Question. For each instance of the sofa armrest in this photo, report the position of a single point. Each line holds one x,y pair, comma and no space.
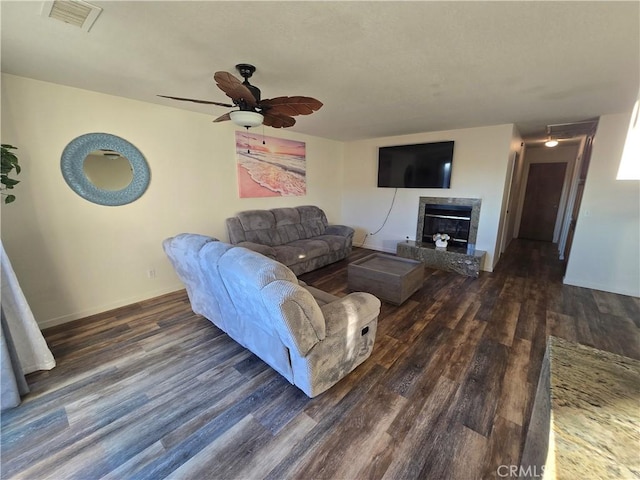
341,230
265,250
353,311
235,230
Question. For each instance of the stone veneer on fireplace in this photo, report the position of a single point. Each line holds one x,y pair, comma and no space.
461,217
453,210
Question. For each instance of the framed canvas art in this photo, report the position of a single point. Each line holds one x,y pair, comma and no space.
273,168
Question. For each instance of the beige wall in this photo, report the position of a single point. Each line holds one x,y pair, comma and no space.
479,170
605,253
75,258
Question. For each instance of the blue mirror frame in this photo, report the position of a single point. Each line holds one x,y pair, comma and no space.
72,162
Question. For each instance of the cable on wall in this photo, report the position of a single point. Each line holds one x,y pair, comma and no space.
393,200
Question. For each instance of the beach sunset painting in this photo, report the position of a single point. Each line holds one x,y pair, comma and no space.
275,168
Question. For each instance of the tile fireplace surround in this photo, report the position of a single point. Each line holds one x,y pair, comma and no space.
474,203
465,261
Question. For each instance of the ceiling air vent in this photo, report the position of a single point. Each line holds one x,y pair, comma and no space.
74,12
572,130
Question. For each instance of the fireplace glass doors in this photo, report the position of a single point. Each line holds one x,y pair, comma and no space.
457,217
454,220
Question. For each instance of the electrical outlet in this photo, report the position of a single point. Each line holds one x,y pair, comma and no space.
151,273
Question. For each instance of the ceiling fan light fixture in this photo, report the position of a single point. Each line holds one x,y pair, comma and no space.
245,118
551,142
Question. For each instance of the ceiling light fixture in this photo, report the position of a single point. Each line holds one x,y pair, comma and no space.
246,118
551,142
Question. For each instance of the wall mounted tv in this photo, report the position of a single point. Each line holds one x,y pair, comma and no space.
424,165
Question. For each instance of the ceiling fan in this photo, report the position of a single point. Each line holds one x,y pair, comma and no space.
275,112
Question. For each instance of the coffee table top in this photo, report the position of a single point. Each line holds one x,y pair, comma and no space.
388,264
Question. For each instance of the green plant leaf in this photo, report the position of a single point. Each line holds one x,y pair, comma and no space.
9,182
9,163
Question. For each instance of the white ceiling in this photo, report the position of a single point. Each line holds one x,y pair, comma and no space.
380,68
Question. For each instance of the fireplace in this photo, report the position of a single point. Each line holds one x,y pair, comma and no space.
454,220
457,217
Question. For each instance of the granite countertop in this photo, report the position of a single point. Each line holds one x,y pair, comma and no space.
595,413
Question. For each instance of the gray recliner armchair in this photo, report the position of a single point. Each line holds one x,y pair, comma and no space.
310,337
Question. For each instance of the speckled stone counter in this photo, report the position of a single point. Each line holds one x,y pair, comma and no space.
451,259
593,408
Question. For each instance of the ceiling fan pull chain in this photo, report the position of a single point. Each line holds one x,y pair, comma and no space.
246,141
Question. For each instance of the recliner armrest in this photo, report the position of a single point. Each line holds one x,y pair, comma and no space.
265,250
341,230
353,311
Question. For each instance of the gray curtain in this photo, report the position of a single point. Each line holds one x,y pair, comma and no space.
13,383
23,348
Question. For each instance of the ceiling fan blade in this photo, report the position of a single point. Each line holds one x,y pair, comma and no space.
278,121
234,88
223,118
206,102
291,106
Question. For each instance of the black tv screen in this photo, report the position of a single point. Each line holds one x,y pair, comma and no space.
424,165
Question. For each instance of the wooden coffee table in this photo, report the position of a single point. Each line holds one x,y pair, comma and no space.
390,278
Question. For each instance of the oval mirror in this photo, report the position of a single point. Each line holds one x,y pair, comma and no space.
105,169
108,170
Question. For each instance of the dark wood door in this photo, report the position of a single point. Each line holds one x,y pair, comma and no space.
541,200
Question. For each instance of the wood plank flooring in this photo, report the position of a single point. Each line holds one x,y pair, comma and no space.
154,391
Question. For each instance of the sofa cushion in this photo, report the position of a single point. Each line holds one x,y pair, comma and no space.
257,284
208,259
259,226
313,220
286,216
257,220
312,248
182,251
334,242
288,254
295,314
322,297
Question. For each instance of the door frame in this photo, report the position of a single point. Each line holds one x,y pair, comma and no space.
577,191
564,197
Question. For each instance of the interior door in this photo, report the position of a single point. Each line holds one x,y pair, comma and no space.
541,200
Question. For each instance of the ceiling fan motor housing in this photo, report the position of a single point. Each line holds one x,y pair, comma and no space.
246,71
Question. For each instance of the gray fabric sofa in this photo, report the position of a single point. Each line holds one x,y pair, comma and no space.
298,237
310,337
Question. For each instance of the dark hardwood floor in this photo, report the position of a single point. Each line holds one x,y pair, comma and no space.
154,391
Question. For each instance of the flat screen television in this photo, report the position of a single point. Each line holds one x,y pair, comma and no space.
424,165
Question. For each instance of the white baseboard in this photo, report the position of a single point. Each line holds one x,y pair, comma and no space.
374,247
52,322
597,286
